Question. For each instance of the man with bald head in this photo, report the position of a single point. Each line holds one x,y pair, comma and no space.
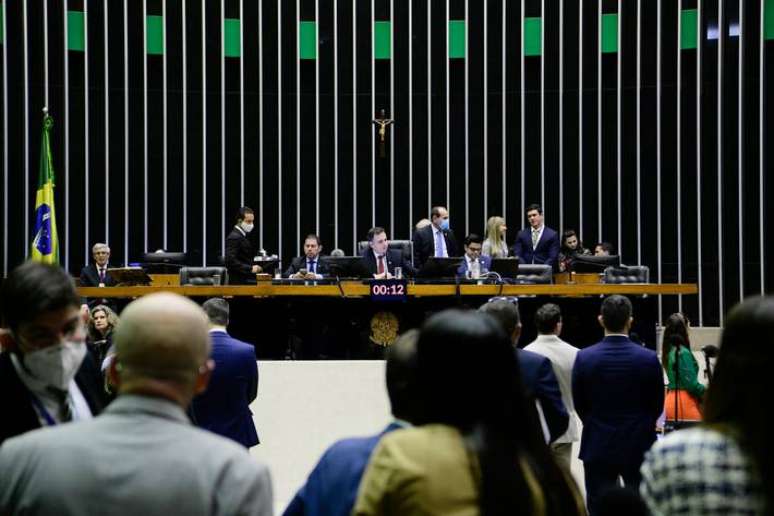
142,455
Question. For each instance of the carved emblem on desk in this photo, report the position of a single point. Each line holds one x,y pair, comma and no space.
384,328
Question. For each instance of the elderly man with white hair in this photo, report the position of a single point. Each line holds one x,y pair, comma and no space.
142,456
96,274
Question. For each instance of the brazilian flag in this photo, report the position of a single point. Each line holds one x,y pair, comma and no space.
45,244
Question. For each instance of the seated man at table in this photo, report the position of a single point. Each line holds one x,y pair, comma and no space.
96,274
309,266
473,260
379,260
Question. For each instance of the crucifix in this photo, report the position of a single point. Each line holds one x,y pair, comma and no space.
382,122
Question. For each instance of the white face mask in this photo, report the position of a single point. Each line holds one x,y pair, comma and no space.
246,227
56,365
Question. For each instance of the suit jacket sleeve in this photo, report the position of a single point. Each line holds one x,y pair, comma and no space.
551,402
581,406
553,250
293,268
232,258
417,245
517,247
85,279
252,376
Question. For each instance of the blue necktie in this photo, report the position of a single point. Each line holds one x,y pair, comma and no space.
438,244
311,267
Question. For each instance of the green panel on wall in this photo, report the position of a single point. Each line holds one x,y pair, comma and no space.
382,40
533,28
768,21
231,47
75,32
456,39
609,33
689,29
2,15
154,34
307,40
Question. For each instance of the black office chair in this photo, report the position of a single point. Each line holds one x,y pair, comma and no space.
535,274
405,246
203,275
163,262
627,274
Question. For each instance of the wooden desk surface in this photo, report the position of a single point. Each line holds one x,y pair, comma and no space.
358,289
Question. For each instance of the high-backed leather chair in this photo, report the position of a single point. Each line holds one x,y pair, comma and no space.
535,273
203,275
405,246
626,274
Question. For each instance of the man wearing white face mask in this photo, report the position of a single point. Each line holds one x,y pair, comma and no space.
239,250
45,377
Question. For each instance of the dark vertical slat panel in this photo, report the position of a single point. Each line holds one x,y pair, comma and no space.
288,163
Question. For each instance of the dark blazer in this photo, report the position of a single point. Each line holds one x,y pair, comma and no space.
224,408
484,261
18,414
300,262
541,383
331,488
424,245
618,390
547,249
239,257
90,277
394,258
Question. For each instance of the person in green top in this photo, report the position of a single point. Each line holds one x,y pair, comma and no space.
676,349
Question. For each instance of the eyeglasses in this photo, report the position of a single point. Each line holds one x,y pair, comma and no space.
510,299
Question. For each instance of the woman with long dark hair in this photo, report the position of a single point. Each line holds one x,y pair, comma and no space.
479,449
725,465
684,392
570,248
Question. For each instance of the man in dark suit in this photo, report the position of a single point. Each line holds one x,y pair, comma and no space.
332,485
473,260
310,263
380,261
240,251
224,408
537,243
437,239
46,376
618,389
536,371
96,274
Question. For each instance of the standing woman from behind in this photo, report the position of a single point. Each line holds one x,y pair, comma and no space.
479,448
102,323
494,246
684,392
726,464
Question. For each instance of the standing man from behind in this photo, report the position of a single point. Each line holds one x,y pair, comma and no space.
436,239
379,260
142,456
618,390
239,250
537,244
548,320
224,408
331,488
308,266
46,377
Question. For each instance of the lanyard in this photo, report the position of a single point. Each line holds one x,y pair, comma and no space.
42,410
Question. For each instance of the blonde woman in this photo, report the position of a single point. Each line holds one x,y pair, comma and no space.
494,245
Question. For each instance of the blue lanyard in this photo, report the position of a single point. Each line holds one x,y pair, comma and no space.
43,412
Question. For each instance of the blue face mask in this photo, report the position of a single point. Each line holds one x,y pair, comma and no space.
445,224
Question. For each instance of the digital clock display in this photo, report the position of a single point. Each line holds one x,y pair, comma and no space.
389,290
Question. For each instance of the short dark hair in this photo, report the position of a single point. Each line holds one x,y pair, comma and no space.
505,312
547,317
401,376
217,310
473,239
606,246
377,230
534,206
244,210
616,311
33,288
436,211
312,236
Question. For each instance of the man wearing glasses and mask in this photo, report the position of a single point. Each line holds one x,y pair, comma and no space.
46,376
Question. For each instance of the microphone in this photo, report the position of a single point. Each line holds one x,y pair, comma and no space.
710,351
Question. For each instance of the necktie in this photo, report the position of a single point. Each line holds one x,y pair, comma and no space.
438,244
311,267
65,401
380,268
101,275
535,234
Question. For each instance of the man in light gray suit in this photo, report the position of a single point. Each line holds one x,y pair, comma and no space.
141,456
